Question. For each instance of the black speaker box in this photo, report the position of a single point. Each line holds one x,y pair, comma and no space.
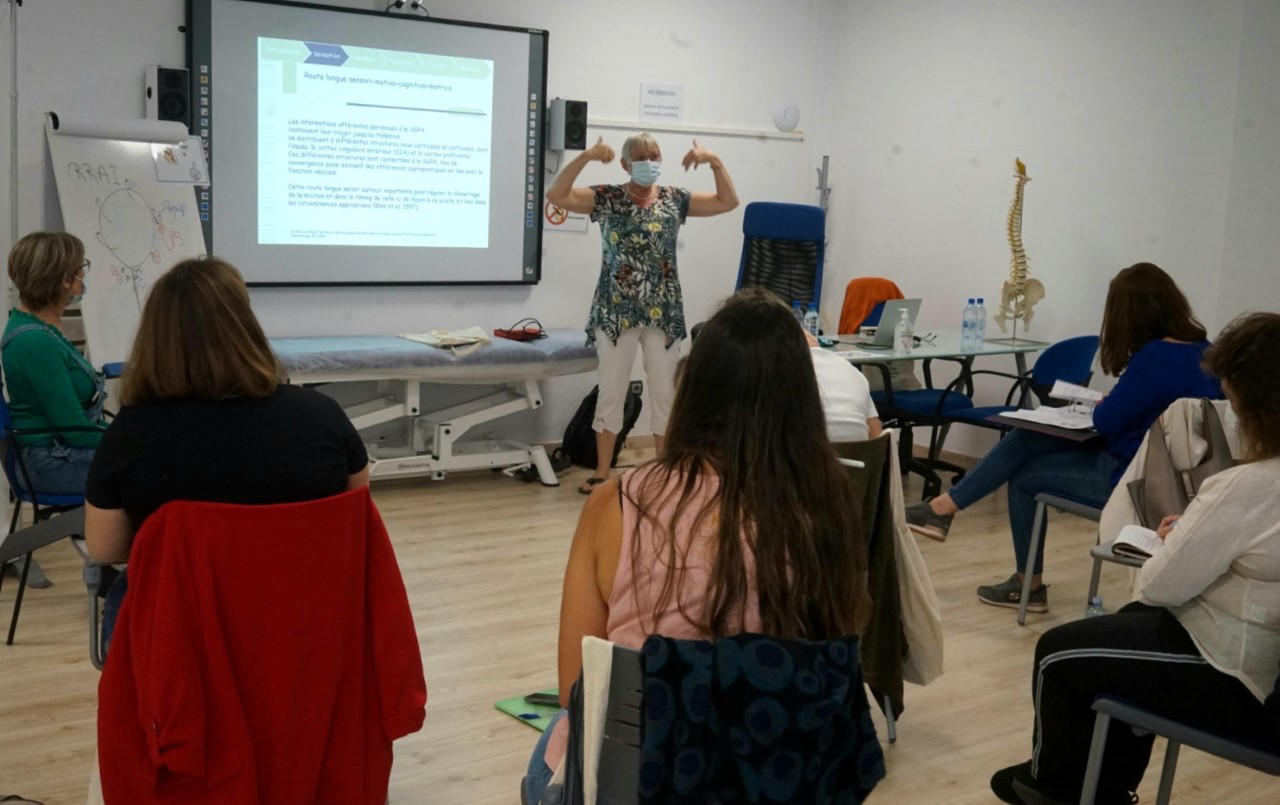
169,94
568,124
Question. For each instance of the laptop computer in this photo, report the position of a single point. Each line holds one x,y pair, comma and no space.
890,315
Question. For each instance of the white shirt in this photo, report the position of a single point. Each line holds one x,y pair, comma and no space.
846,399
1219,573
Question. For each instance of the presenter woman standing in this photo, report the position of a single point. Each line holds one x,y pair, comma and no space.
637,302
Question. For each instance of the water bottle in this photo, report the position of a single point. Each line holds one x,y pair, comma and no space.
797,310
980,325
969,328
903,334
1095,607
811,321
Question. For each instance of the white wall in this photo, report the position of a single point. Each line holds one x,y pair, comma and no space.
1125,114
1149,129
734,60
1250,276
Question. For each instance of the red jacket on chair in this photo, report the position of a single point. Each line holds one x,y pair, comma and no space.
264,654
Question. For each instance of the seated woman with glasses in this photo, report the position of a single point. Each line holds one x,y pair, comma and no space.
49,383
51,387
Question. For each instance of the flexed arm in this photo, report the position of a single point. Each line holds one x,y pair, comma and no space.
725,198
578,199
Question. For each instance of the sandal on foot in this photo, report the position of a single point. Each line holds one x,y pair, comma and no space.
591,483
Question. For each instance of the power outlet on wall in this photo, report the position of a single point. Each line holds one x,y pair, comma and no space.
637,387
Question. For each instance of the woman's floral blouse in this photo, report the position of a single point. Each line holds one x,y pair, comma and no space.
639,285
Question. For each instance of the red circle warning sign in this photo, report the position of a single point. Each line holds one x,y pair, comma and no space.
555,215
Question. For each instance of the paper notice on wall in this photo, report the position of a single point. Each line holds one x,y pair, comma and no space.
181,163
662,103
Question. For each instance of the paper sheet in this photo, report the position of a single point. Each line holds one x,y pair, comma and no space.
1058,417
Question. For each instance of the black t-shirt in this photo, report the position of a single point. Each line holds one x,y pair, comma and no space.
295,445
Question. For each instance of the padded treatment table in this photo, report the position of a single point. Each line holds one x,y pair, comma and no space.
399,366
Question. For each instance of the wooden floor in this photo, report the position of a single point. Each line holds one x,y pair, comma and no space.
482,555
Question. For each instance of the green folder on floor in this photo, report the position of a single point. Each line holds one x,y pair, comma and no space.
537,716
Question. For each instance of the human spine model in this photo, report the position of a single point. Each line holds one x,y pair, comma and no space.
1020,292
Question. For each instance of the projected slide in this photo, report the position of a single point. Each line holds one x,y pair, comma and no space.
366,147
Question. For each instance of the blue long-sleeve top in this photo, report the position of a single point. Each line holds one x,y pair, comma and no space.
1158,373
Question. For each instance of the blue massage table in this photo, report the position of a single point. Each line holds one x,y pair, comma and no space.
400,366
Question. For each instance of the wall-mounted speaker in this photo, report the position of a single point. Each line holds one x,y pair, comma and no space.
168,94
567,122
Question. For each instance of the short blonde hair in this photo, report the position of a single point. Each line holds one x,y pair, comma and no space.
199,340
643,140
40,264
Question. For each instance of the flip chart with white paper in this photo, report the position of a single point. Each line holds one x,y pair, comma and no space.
134,227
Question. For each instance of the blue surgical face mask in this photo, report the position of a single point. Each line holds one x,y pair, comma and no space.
646,171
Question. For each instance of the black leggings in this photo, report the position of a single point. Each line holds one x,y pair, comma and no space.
1144,656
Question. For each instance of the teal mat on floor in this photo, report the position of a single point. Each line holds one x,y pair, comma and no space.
535,715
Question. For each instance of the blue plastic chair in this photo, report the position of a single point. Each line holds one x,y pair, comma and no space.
43,506
783,250
927,407
1070,360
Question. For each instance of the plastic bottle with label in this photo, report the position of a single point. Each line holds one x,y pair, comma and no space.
969,326
810,321
903,333
980,325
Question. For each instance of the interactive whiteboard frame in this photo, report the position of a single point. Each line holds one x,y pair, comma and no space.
203,74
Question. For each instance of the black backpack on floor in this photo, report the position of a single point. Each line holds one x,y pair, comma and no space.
579,445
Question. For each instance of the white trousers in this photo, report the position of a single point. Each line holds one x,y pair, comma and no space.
616,361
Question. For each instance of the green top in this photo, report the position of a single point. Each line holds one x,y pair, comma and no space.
50,385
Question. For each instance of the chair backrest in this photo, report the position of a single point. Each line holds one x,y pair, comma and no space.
6,437
864,299
260,628
615,777
715,712
882,640
618,778
1070,359
1272,706
15,472
1172,477
15,475
783,248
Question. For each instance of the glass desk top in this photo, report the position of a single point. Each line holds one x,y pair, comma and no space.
944,344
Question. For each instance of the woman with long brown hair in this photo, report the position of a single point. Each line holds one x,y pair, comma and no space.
1202,643
745,523
1153,343
206,418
